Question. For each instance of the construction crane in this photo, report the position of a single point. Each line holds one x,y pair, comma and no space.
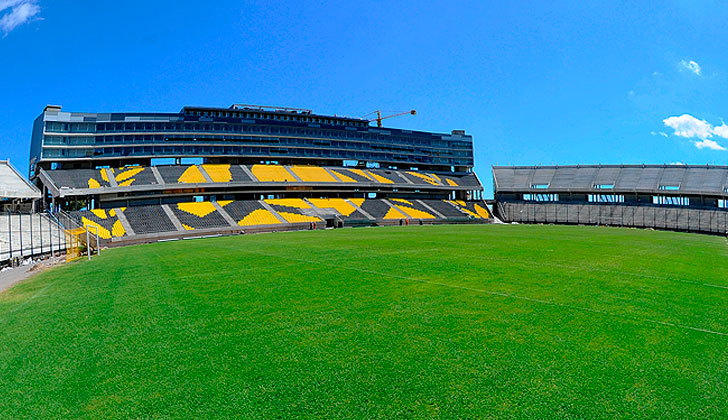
380,118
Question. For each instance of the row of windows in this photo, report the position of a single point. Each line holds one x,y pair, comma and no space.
131,127
611,186
605,198
243,140
541,197
279,117
617,198
177,151
158,138
670,201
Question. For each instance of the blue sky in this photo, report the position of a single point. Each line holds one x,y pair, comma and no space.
559,82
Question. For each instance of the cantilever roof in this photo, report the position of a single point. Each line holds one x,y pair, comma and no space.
663,179
13,185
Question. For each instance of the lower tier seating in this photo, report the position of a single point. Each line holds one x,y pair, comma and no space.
128,222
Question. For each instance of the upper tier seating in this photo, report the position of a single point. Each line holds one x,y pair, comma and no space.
80,178
133,175
226,173
272,173
313,174
172,174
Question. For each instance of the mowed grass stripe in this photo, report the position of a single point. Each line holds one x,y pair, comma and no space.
591,288
211,329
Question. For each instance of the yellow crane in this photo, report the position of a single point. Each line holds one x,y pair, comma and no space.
380,118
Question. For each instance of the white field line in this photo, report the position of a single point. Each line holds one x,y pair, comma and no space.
501,294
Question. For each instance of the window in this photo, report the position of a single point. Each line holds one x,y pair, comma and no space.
669,187
603,186
541,197
539,186
605,198
670,201
723,204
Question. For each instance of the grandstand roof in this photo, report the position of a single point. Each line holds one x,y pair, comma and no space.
13,185
654,179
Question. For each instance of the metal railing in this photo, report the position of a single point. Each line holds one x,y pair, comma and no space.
24,235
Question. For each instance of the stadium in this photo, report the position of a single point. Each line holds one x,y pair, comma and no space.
375,315
544,237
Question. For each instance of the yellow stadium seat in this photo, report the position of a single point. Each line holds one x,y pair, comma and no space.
128,172
380,178
338,204
414,213
100,213
92,183
259,217
393,214
429,178
117,229
482,212
357,201
192,175
313,174
343,177
298,218
218,173
272,173
102,231
201,209
288,202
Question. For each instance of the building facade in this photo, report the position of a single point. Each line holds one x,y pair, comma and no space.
239,134
673,197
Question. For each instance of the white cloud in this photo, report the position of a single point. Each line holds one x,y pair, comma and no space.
721,131
688,126
658,133
677,163
18,13
691,66
692,128
708,144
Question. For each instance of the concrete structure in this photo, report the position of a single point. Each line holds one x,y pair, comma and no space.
674,197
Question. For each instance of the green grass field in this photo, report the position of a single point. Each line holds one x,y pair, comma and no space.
480,321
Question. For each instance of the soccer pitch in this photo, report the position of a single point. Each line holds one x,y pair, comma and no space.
444,322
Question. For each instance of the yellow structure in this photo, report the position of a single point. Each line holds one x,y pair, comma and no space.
192,175
272,173
218,173
201,209
313,174
259,217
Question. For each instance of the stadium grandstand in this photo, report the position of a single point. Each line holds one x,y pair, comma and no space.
670,197
138,177
23,232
